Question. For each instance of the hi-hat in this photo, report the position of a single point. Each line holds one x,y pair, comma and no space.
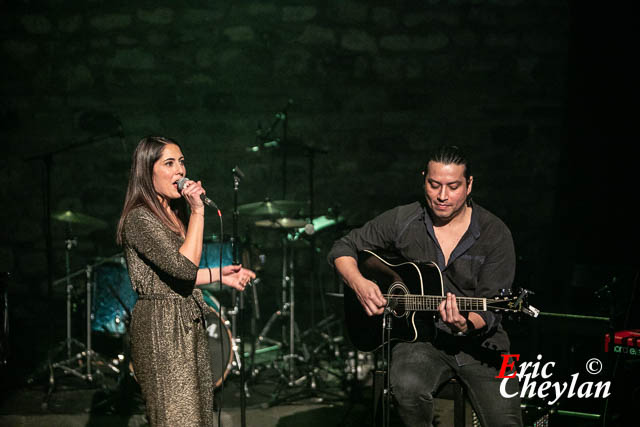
281,223
78,218
272,208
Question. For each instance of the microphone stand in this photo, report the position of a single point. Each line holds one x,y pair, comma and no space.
283,117
386,356
285,122
47,159
311,153
237,176
268,141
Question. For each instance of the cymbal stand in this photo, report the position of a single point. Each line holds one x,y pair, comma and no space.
64,365
323,328
69,244
290,330
90,357
289,277
86,357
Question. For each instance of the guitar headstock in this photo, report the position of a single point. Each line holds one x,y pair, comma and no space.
510,303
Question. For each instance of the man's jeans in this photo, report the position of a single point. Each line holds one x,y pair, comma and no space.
419,369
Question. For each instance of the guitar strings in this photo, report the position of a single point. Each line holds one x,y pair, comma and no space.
431,302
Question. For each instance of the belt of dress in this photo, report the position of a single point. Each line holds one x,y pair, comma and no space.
192,309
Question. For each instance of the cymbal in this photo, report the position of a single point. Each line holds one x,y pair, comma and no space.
281,223
78,218
274,208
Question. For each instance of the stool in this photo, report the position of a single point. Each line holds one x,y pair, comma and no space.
451,390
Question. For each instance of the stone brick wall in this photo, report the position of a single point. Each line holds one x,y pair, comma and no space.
540,93
375,83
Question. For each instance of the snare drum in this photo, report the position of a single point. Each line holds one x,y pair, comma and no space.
113,297
220,348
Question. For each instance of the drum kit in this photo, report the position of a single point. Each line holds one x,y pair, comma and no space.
104,280
280,344
110,299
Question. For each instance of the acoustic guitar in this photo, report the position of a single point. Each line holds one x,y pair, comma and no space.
413,292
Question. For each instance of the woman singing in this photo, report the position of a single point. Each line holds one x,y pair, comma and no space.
161,231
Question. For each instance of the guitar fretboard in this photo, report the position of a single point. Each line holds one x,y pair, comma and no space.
431,302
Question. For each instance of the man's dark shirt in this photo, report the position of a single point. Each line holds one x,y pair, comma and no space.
480,265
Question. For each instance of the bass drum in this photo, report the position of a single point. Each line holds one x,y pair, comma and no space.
220,348
113,297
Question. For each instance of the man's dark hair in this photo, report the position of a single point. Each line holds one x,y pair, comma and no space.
450,154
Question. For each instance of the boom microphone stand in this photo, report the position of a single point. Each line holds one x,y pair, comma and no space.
316,329
47,159
386,355
269,141
311,153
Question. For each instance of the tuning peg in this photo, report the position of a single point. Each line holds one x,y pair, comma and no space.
531,311
506,292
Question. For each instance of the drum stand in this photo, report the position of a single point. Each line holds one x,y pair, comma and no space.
69,244
236,340
238,302
290,330
81,363
311,367
70,365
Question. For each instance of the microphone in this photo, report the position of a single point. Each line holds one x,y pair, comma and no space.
237,172
207,201
273,143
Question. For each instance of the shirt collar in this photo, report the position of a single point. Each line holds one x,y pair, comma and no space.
474,225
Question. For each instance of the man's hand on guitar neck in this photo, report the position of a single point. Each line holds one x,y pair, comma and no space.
450,315
368,292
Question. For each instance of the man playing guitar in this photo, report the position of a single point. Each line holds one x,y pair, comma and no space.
474,251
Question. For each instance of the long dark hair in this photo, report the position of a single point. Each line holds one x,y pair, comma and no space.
141,192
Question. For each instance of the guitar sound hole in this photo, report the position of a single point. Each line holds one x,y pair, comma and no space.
398,291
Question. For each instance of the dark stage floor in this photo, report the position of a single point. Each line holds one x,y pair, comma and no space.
270,402
114,400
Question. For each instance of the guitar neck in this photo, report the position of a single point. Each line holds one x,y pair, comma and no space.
431,302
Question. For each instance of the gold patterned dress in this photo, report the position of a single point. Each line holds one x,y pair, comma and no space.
169,346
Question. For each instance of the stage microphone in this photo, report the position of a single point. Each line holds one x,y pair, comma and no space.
274,143
207,201
237,172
